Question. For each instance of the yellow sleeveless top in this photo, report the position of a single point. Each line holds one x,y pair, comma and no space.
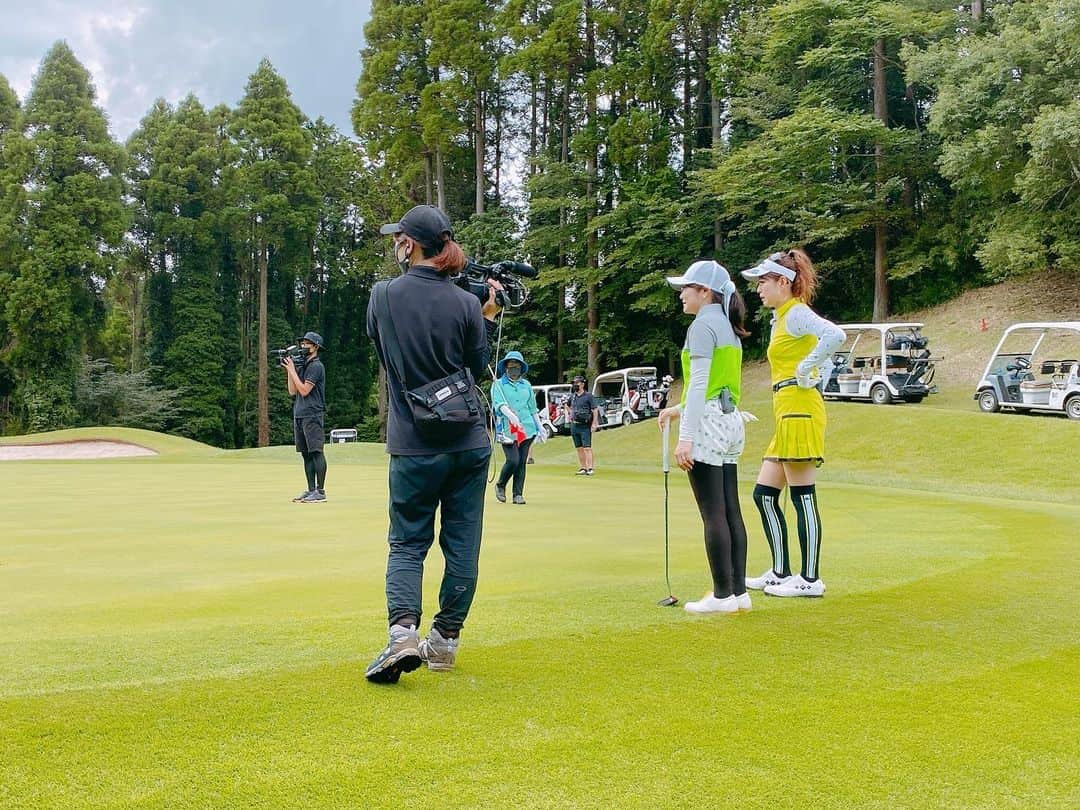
786,351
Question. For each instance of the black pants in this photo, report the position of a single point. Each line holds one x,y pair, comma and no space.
517,459
716,490
454,484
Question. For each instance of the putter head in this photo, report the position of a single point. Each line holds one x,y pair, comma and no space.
668,601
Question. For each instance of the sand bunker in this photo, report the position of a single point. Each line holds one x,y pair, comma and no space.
72,450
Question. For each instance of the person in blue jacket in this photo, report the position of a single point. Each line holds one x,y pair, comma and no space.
517,423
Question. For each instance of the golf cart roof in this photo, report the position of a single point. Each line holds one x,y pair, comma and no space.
632,371
1016,327
550,386
880,327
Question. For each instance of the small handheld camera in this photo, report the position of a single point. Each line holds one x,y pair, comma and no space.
295,352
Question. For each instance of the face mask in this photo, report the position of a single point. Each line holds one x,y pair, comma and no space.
403,262
513,372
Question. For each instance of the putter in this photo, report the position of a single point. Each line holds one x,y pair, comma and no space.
669,600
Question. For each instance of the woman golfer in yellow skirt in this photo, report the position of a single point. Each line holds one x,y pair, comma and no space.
800,360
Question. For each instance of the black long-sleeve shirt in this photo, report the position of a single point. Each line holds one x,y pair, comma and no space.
440,331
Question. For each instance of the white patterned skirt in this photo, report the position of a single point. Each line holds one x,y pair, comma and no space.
720,436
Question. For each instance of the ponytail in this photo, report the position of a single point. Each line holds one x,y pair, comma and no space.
736,310
805,285
449,258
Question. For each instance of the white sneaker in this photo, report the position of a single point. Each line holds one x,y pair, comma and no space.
743,601
710,604
797,586
770,577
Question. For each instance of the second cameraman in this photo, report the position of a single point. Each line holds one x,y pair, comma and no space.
428,330
308,385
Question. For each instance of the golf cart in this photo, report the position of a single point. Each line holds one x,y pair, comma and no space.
630,395
882,363
1015,381
549,403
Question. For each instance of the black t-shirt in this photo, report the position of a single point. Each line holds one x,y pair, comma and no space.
581,408
314,404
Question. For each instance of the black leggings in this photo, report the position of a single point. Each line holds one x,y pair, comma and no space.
315,469
716,490
517,457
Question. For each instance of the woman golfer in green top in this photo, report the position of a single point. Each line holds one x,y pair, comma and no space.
712,433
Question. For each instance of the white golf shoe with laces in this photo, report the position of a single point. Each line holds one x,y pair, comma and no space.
797,586
770,577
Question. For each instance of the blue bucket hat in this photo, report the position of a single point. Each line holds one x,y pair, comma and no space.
501,368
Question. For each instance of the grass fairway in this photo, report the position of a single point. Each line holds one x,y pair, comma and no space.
177,634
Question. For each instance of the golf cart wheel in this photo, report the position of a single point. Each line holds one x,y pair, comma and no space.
627,419
549,431
1072,407
988,402
880,395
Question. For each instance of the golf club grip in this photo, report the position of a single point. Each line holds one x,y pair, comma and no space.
666,434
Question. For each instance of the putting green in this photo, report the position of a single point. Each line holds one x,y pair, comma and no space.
177,633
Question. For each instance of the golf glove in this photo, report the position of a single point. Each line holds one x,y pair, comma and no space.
804,375
541,433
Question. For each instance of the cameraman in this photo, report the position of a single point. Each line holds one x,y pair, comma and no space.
583,416
308,386
440,329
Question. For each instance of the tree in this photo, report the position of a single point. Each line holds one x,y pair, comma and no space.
75,218
277,197
183,183
1007,114
14,157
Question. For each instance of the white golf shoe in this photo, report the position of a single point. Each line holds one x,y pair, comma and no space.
770,577
797,586
710,604
743,601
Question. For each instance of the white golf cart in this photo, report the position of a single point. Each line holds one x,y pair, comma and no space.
549,403
1014,380
882,363
630,395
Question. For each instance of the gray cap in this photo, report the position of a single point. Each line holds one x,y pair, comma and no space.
705,273
313,337
424,223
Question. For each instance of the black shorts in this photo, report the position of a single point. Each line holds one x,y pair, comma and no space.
308,434
582,435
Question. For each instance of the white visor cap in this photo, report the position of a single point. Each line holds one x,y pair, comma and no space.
705,273
766,267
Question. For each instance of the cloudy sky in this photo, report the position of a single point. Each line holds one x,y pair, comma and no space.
138,50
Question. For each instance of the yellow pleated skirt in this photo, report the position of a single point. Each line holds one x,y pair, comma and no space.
800,426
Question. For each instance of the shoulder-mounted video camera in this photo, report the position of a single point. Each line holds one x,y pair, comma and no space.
474,278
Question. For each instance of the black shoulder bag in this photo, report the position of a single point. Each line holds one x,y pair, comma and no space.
444,410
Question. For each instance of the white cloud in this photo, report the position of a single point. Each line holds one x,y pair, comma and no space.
139,50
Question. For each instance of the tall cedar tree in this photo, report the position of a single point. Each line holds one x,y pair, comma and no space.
74,221
277,195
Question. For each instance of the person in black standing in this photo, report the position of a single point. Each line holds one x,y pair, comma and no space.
584,416
425,329
308,385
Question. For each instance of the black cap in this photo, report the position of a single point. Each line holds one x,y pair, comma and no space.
313,337
579,378
424,223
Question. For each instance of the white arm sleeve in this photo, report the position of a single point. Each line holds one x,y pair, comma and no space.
695,397
802,320
508,412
